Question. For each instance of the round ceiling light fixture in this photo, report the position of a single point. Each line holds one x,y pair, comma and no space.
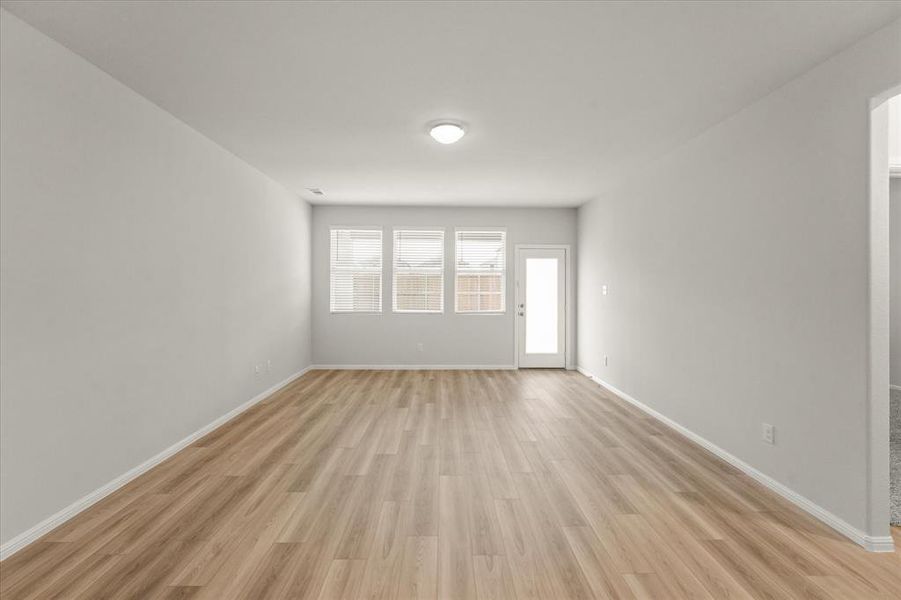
446,132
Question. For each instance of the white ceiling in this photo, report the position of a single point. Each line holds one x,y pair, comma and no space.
559,97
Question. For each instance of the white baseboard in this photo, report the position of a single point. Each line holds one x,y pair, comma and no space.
869,542
414,367
53,521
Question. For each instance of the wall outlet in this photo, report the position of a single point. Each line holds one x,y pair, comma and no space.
269,366
603,290
256,369
419,347
606,362
769,433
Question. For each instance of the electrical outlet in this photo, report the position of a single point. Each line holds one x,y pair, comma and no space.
269,366
603,290
256,369
419,347
769,433
606,362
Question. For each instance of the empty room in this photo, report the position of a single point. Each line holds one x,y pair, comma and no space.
450,300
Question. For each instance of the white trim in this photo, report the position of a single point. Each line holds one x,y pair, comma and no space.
894,170
418,228
414,367
870,543
55,520
478,228
361,227
895,387
878,516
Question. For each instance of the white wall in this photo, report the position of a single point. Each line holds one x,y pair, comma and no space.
895,266
738,274
894,124
144,271
448,338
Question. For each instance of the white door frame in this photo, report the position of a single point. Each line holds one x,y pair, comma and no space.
878,536
569,348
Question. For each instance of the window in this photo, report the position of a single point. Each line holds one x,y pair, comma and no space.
481,263
418,270
356,270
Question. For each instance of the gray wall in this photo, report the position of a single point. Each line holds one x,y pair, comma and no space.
737,269
895,233
448,338
144,272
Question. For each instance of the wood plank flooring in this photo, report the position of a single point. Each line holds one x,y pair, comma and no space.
445,484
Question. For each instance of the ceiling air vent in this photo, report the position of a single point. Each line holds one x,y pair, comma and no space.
316,191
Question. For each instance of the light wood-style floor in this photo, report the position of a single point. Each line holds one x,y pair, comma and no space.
445,484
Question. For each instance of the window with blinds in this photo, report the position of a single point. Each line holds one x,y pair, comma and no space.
418,270
481,271
356,270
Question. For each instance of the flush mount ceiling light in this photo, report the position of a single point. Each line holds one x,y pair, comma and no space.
446,132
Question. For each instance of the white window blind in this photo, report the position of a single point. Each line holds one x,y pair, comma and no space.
418,270
356,270
481,271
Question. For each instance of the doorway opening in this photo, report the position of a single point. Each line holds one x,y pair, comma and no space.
879,469
894,168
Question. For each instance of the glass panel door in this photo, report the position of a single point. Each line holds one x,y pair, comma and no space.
541,307
541,299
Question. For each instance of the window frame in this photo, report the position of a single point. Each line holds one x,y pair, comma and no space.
381,270
502,273
440,271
